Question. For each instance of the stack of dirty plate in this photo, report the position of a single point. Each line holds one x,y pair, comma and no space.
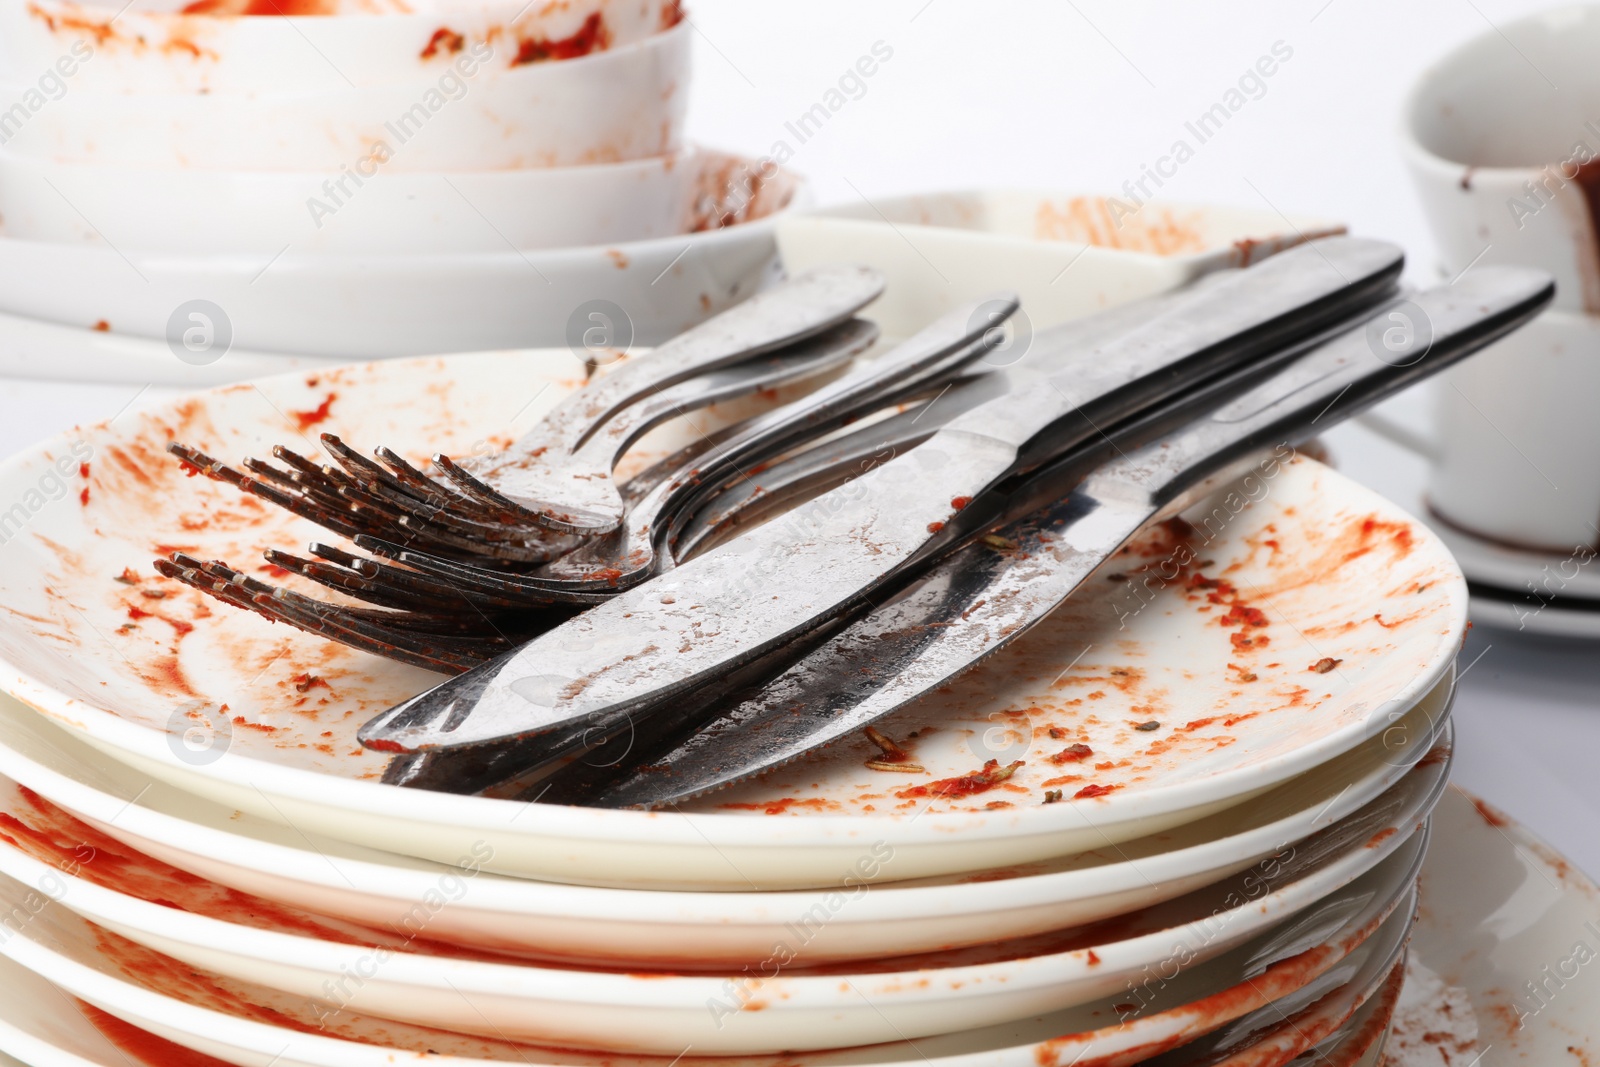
1180,821
360,178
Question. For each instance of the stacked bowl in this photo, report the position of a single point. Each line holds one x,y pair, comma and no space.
1180,821
336,178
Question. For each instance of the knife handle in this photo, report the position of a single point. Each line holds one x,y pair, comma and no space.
1403,344
1256,311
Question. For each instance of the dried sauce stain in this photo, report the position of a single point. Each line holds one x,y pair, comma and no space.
1494,818
304,420
444,41
970,784
141,1046
592,36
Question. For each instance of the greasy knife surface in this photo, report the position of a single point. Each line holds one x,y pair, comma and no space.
980,599
729,606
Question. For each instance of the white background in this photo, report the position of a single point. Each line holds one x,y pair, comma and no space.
1079,96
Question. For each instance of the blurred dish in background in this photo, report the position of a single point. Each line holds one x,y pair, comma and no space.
211,212
1066,255
623,104
381,305
1501,136
206,47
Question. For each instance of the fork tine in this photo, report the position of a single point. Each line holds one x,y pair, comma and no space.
365,470
303,613
468,504
483,491
525,589
443,621
401,582
355,585
528,587
194,459
455,521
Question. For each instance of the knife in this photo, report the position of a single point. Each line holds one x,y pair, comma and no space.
931,633
726,608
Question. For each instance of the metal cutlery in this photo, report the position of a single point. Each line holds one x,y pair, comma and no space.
562,481
760,590
394,500
932,631
446,615
597,570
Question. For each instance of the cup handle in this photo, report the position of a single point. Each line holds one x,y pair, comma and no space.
1399,433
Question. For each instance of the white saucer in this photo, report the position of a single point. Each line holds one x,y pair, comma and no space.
1535,592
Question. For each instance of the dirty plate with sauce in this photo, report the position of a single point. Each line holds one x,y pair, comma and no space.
1460,1004
662,929
771,1007
205,48
1279,952
1286,622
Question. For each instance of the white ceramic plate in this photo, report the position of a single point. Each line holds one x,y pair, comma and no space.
767,1008
147,50
33,348
381,306
1339,1028
225,1017
1065,253
1504,917
1362,609
471,115
204,212
659,929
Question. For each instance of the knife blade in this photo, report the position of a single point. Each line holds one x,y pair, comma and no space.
980,599
730,606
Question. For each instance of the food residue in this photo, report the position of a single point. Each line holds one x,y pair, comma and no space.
317,415
969,784
444,40
893,758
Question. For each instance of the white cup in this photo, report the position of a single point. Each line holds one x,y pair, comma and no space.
1496,150
1515,449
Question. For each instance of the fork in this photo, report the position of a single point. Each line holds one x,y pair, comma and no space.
393,500
601,568
559,476
457,610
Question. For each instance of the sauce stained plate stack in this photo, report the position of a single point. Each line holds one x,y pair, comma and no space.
1195,797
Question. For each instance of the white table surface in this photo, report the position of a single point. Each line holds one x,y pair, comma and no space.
1080,96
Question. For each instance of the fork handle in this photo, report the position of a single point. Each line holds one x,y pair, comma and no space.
951,341
788,312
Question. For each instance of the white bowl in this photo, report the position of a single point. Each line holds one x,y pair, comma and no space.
204,212
145,51
376,306
627,103
1067,255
